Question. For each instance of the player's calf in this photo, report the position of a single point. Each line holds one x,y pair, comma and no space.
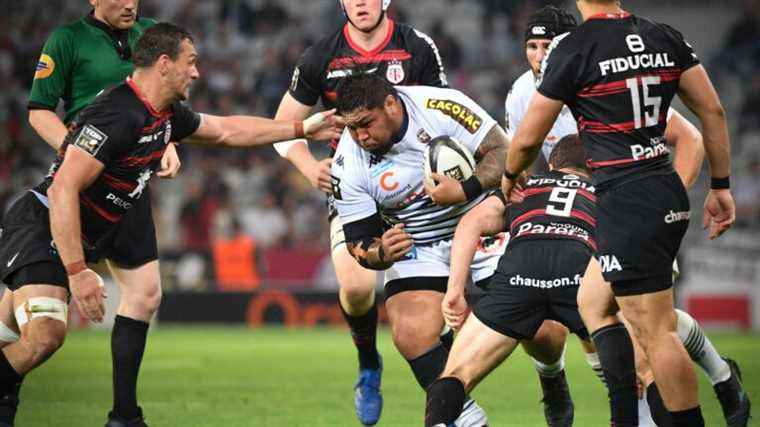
445,400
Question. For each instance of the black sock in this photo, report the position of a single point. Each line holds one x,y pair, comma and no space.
127,347
10,384
616,355
364,333
445,400
447,339
429,366
660,413
688,418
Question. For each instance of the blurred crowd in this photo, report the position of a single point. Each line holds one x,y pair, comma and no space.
248,49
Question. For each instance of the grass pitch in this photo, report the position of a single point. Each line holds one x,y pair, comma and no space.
232,376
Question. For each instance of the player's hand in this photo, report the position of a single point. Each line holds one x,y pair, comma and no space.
512,190
446,191
454,308
170,163
719,212
396,243
319,176
89,292
323,125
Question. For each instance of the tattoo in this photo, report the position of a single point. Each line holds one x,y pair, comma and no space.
490,157
369,253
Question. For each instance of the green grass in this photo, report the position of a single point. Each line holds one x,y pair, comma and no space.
231,376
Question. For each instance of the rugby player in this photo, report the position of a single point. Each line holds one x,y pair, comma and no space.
403,56
551,239
723,374
77,62
104,166
396,224
618,74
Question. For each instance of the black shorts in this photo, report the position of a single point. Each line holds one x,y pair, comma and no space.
134,241
27,253
437,284
640,225
536,280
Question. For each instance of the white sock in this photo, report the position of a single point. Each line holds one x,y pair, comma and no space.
552,369
596,366
700,348
645,414
7,334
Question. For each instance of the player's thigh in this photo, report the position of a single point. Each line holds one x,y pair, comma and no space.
548,343
416,320
596,302
6,310
144,279
41,311
477,350
649,315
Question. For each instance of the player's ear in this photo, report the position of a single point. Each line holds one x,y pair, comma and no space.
391,103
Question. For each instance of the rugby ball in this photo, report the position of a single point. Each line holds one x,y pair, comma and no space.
447,156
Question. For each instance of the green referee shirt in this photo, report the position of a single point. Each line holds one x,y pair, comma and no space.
81,59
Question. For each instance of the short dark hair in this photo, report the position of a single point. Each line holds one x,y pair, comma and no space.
363,90
163,38
569,153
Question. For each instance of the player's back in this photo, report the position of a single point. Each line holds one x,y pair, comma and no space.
557,205
619,74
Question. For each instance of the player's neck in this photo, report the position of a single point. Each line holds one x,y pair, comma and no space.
588,10
371,40
101,18
152,89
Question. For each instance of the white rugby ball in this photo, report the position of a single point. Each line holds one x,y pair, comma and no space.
447,156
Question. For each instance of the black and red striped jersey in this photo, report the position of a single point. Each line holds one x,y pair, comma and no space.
618,73
556,206
405,57
122,131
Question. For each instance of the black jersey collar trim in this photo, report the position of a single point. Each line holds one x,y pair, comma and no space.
619,15
120,38
375,51
398,136
144,100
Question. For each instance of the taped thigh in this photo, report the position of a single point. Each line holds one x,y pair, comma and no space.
36,307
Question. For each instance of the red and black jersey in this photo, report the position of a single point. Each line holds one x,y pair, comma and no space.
122,131
618,73
405,57
556,206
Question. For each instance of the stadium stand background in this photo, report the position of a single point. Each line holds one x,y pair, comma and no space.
248,49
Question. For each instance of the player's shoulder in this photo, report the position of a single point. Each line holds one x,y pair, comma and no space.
422,95
349,156
118,102
69,31
650,26
411,34
523,86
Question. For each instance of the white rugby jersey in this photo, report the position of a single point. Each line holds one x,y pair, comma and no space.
516,105
364,184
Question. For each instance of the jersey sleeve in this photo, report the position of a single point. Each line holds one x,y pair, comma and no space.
561,70
184,121
513,112
460,117
105,133
433,73
305,84
684,52
349,185
53,70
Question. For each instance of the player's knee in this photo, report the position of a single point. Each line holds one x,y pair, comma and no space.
144,299
47,338
412,341
551,334
356,294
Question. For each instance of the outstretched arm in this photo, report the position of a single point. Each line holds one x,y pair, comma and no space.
247,131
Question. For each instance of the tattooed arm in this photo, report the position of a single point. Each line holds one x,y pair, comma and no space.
371,251
490,157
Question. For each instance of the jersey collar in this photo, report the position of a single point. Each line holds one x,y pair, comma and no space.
398,136
144,100
619,15
120,38
375,51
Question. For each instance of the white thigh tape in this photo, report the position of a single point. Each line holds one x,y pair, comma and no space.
42,307
7,334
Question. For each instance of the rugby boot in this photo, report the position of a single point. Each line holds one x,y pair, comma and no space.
115,420
368,400
732,397
472,415
558,405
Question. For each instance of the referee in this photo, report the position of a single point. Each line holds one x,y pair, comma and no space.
78,61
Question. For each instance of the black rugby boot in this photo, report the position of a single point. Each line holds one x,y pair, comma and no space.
732,397
558,404
115,420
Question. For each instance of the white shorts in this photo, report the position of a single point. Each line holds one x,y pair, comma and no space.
434,260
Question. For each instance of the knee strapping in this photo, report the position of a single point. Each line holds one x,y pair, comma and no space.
36,307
